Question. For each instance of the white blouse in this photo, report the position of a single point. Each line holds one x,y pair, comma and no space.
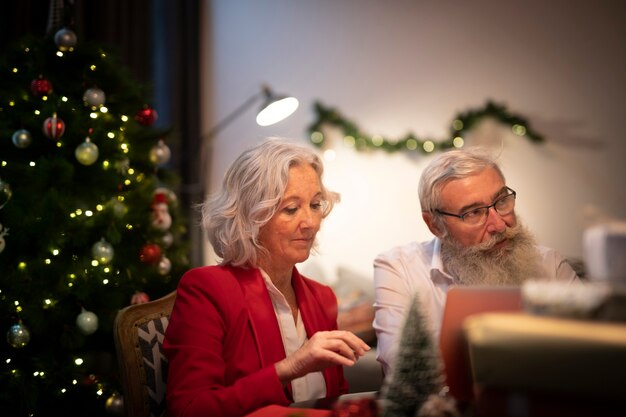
312,385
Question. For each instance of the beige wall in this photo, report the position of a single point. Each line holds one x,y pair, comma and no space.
399,66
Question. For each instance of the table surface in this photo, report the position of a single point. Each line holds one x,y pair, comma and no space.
322,407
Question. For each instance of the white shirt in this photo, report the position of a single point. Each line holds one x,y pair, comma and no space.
416,268
312,385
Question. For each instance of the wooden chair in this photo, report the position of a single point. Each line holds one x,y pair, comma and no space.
138,332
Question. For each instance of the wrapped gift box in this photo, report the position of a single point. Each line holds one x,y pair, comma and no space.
521,352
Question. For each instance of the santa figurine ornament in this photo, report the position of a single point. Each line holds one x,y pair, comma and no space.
161,218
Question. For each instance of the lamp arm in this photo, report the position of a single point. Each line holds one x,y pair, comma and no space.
206,144
233,115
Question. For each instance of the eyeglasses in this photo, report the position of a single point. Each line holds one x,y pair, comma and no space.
478,216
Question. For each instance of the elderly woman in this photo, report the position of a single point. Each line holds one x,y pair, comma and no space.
252,331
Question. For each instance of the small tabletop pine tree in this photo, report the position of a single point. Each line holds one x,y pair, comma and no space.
416,377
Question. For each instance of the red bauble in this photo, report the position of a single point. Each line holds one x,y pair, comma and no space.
40,87
150,254
53,127
146,116
365,407
139,298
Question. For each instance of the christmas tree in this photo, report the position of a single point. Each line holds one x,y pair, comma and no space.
416,384
89,221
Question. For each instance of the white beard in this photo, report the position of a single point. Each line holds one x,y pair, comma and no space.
482,265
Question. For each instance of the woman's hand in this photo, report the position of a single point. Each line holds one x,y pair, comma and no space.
324,349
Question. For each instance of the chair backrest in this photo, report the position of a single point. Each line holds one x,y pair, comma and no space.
138,332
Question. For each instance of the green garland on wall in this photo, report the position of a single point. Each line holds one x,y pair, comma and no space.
461,124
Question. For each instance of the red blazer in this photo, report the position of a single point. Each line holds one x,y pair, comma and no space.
223,339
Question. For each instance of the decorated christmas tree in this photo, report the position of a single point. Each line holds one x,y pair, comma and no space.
89,222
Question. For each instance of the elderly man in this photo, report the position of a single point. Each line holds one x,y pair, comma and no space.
468,206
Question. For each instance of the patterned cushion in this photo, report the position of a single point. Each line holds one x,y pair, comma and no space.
150,338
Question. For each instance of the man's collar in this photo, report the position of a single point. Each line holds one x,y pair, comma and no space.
437,273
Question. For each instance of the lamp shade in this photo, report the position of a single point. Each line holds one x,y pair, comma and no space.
275,108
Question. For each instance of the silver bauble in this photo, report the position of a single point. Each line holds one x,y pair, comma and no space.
18,336
94,97
65,39
160,153
115,405
167,240
164,266
5,193
87,322
87,152
102,251
22,138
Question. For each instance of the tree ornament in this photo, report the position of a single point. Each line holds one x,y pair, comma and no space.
150,254
22,138
65,39
5,193
161,218
87,152
18,336
114,405
169,194
139,298
87,322
41,87
146,116
119,208
164,266
94,97
102,251
53,127
160,153
167,240
89,380
3,233
359,407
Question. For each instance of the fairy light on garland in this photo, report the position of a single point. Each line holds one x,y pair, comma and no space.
461,124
